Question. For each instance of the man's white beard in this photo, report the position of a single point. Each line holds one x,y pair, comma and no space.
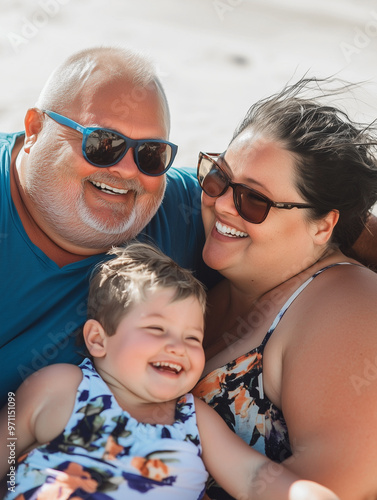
77,225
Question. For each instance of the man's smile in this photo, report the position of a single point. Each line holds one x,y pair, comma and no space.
108,189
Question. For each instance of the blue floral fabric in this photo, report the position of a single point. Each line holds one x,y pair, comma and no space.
104,453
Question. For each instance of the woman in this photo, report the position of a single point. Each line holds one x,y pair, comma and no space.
292,330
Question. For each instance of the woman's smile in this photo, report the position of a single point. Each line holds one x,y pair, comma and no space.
231,232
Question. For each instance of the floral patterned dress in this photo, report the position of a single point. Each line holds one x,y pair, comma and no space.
104,453
235,391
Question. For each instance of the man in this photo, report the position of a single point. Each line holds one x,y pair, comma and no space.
68,194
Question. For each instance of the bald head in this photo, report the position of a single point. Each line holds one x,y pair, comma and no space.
84,73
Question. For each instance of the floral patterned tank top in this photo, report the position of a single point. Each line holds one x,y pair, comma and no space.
235,391
105,454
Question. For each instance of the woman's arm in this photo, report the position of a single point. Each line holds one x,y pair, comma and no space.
43,405
329,384
243,472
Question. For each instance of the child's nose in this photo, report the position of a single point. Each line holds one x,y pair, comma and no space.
176,346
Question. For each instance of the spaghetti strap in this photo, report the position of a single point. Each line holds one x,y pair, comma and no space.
294,296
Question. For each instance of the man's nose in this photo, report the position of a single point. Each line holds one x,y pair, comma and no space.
126,168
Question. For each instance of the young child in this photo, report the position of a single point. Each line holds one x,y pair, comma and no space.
122,425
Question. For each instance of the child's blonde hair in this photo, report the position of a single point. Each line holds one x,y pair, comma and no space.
126,280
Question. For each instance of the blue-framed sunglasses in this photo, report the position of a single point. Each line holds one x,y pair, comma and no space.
103,147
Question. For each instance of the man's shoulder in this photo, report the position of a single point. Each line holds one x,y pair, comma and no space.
177,227
181,203
182,185
7,142
182,196
7,139
182,175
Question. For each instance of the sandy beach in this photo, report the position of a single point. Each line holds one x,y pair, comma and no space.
215,57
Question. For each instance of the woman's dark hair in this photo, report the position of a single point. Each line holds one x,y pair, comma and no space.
335,156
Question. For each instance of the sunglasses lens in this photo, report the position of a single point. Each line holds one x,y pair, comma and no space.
211,178
103,148
154,157
250,206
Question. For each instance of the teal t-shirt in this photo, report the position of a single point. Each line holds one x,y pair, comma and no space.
42,305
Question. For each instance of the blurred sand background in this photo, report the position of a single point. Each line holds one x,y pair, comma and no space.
215,57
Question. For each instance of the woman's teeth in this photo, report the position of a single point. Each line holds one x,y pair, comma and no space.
108,189
230,231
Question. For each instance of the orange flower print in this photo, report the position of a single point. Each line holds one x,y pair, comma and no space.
112,449
246,363
210,386
67,482
152,468
242,402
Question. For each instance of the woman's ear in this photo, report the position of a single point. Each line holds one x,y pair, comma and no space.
95,338
33,125
323,228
